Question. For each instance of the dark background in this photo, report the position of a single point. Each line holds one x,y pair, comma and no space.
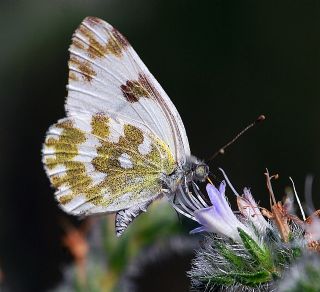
222,63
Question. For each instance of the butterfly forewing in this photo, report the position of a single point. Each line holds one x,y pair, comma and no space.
98,164
106,75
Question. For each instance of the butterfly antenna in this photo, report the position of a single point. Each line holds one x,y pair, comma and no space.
222,149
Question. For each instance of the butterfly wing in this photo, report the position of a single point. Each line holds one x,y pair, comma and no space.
106,75
98,164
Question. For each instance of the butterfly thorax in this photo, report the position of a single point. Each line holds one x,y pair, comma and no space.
192,169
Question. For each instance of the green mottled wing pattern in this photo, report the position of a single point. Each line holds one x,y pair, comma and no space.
98,164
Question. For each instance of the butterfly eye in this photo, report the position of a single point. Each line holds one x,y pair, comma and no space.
201,171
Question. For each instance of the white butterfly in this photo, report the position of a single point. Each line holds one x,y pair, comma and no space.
123,143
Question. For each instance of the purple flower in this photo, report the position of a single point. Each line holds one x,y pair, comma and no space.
219,218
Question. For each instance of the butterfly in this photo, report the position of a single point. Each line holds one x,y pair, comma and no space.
123,143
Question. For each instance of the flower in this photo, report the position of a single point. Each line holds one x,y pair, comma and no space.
251,211
219,218
244,252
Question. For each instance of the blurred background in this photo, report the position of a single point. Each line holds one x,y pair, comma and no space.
223,63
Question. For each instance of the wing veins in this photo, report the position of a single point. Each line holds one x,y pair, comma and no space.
91,61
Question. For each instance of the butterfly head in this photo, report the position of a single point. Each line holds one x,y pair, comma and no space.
201,172
197,169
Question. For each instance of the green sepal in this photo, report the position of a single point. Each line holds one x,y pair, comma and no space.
231,257
248,279
252,279
286,258
260,255
296,252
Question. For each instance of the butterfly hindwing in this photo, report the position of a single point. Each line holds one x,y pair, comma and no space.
98,164
106,75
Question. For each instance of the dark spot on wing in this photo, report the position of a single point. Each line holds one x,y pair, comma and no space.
145,82
93,20
73,76
133,90
122,41
84,68
88,32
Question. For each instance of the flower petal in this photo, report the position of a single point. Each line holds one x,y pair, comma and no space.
213,193
198,229
218,199
214,221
